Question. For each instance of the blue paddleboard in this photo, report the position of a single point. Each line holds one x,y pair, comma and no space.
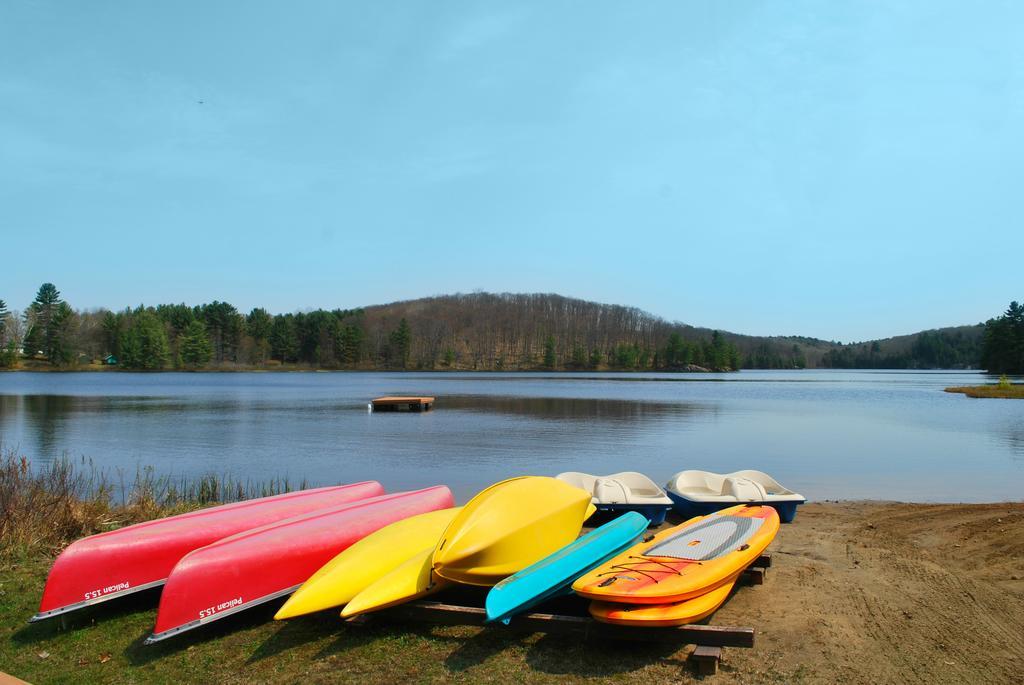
553,575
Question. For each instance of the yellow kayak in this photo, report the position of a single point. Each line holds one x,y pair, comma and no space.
656,615
509,526
411,580
359,566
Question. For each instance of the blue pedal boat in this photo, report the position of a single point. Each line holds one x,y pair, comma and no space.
555,574
698,493
625,491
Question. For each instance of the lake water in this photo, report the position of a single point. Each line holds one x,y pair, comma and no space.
826,434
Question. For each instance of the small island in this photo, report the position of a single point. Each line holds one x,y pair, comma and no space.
1001,353
1009,391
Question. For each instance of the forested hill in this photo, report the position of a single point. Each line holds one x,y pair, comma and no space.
478,331
515,331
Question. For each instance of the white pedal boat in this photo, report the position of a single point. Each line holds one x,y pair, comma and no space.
697,493
626,491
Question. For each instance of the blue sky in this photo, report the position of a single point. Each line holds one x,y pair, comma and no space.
842,170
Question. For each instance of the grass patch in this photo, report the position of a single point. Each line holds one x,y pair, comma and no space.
1004,389
104,644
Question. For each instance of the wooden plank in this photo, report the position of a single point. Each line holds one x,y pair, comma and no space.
694,634
705,659
449,614
754,576
763,561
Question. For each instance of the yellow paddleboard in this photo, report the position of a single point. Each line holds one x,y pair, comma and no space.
655,615
411,580
509,526
359,566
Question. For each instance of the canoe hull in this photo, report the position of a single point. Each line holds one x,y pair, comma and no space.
138,557
257,566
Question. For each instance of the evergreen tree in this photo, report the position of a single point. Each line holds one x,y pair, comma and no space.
144,344
799,360
60,336
549,352
719,352
284,340
44,319
579,357
176,316
224,327
734,357
351,344
676,352
1003,342
194,347
400,344
258,323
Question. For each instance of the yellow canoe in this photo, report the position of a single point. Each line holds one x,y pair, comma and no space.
411,580
509,526
359,566
655,615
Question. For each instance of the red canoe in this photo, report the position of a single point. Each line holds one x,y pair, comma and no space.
259,565
134,558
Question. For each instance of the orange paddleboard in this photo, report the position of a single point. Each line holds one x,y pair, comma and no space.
654,615
685,561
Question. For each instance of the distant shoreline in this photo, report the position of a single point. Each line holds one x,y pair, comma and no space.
278,368
96,368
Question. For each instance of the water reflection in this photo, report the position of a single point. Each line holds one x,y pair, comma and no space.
1013,434
574,408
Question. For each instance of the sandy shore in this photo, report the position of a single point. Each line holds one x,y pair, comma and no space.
894,593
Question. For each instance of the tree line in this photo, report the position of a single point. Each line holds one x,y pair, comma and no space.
1003,346
540,332
949,349
479,331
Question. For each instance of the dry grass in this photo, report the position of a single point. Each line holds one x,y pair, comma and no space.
45,507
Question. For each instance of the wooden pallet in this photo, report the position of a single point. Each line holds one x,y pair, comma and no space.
709,640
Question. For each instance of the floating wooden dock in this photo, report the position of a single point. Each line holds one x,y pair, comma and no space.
402,403
708,639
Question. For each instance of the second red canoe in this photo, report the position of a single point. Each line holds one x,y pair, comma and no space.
260,565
